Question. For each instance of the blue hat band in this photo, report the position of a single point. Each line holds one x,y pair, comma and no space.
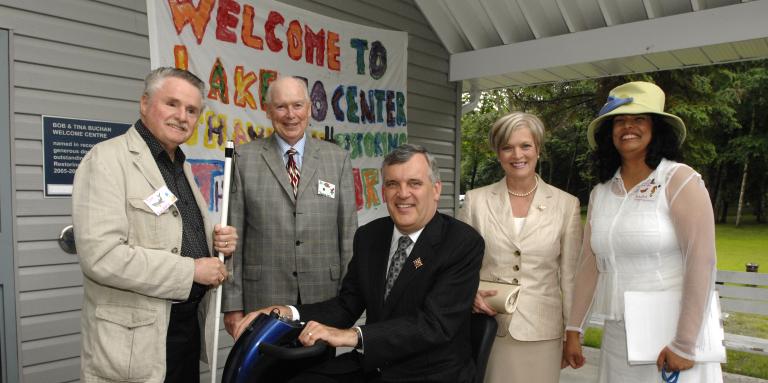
613,103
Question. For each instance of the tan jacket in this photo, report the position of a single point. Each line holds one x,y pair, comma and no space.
542,259
131,264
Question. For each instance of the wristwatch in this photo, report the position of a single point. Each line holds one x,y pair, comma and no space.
359,331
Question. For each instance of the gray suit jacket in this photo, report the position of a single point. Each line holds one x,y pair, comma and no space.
131,264
288,247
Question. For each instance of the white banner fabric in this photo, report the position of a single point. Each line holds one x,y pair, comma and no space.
356,76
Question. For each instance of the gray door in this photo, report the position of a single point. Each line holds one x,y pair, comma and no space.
9,371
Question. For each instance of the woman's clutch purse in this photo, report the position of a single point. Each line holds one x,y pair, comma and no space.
505,300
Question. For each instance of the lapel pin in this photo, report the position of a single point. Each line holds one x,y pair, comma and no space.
417,263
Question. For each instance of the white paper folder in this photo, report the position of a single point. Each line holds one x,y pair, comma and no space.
651,321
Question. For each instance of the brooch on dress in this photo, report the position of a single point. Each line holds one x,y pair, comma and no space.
647,190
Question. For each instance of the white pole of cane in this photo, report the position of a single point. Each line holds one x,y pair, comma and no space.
228,155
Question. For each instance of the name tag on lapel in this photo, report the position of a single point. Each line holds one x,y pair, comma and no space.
160,200
326,189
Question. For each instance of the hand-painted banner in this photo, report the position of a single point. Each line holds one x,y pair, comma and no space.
356,76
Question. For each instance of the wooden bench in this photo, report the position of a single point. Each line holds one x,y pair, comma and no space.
742,292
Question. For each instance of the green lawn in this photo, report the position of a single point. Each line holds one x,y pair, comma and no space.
735,248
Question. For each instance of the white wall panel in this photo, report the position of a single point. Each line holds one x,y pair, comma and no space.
65,370
27,126
39,102
434,132
28,152
34,50
77,82
40,228
51,301
430,75
45,350
41,253
133,5
54,28
50,325
427,61
32,203
437,92
427,117
50,277
425,102
87,12
28,177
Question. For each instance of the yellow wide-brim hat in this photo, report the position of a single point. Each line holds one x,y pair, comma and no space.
637,97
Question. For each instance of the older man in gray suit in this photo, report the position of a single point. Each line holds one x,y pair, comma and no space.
294,204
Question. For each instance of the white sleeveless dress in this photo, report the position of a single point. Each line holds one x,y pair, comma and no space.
636,249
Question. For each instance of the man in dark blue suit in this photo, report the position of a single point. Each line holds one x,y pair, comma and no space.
415,273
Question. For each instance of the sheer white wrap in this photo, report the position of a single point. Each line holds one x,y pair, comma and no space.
646,240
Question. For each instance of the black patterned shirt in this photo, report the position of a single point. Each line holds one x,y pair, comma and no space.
193,243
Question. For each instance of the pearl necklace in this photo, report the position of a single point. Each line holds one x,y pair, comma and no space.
526,194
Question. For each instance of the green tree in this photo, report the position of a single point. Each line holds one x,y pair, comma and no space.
749,148
478,162
725,109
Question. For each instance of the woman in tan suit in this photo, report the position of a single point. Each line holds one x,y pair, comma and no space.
532,236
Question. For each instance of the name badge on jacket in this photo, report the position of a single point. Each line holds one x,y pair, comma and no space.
160,200
326,189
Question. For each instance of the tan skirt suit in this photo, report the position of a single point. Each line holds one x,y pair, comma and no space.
542,259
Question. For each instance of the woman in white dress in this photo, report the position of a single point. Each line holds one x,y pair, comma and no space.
532,234
650,227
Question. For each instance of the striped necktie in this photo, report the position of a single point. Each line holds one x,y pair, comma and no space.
293,170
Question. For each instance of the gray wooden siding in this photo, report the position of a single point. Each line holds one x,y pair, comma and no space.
86,59
73,58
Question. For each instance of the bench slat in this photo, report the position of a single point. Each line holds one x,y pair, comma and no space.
744,292
746,343
743,306
737,299
759,279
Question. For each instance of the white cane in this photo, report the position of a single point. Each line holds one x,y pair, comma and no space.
228,155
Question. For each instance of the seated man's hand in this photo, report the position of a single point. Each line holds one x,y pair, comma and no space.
231,320
335,337
244,321
224,239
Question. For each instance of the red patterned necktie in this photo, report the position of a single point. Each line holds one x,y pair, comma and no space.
293,170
